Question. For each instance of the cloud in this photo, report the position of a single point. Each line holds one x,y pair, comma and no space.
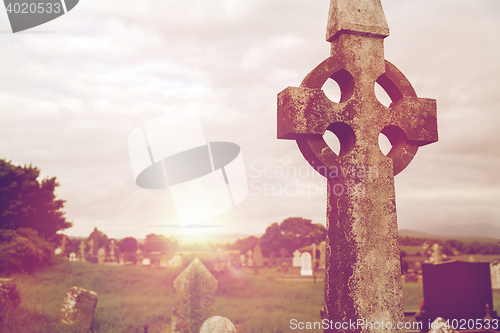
70,98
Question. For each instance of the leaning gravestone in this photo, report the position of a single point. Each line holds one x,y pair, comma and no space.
195,288
78,308
306,264
363,273
296,259
217,324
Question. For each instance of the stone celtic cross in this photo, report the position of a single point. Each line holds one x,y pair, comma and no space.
363,274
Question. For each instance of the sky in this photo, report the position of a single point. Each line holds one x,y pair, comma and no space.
72,90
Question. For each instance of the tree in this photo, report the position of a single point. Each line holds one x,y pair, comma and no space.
23,251
26,202
128,244
245,244
100,240
291,234
156,243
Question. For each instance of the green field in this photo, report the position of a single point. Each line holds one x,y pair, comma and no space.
130,297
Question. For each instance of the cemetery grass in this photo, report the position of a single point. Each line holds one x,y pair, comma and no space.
130,297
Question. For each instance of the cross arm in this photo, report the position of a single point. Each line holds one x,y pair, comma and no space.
301,111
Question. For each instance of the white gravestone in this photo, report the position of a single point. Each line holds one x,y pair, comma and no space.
296,259
72,256
146,262
306,267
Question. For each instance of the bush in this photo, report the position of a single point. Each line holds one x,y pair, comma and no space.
22,250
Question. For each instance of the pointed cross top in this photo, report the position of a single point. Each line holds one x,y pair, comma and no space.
364,17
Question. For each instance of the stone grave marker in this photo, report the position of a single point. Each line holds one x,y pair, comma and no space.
296,259
91,250
72,256
146,262
258,260
176,261
217,324
306,264
122,259
242,259
138,256
250,260
82,250
195,288
456,290
322,254
112,248
495,274
78,308
363,273
101,255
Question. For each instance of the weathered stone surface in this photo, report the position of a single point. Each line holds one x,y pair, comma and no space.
356,16
363,274
217,324
9,296
195,288
78,308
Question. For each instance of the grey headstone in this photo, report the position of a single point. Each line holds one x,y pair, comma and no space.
78,308
195,288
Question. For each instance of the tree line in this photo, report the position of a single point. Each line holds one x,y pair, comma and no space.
454,246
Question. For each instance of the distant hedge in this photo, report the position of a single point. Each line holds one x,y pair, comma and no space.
22,250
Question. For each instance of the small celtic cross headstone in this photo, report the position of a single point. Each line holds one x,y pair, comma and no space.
363,274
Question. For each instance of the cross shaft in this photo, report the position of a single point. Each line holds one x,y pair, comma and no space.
363,274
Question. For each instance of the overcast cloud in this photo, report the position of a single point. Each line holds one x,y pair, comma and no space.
72,90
